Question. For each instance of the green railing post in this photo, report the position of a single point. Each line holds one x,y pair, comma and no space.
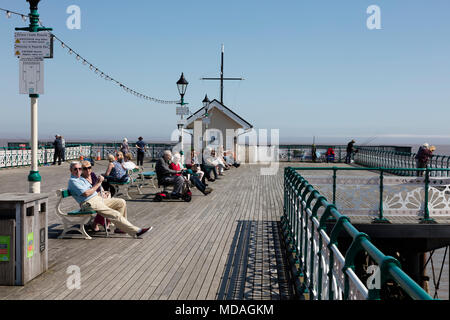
334,185
380,218
426,215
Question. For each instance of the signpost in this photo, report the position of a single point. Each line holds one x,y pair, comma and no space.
31,47
31,76
182,111
32,44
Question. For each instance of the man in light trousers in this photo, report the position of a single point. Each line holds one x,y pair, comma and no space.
113,209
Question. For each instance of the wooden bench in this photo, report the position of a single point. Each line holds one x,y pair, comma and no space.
146,176
72,218
133,181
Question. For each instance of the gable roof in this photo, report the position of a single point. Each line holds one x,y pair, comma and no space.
227,111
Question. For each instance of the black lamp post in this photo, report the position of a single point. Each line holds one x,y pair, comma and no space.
182,86
206,104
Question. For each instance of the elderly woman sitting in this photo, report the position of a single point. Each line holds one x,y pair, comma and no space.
128,164
114,173
176,165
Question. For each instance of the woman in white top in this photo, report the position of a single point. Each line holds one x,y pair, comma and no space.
128,164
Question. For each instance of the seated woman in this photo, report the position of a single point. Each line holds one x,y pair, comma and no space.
209,165
175,165
114,173
196,167
219,162
90,176
128,164
330,155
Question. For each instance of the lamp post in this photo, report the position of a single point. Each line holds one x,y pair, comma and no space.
34,178
206,103
182,86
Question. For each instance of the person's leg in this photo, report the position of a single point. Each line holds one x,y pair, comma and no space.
200,174
140,158
198,184
102,206
55,155
176,182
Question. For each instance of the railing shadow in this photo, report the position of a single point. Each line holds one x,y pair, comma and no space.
256,266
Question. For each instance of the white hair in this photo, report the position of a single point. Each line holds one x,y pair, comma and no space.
167,152
426,145
125,140
74,163
176,157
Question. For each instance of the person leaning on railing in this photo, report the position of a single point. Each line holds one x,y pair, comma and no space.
114,209
423,156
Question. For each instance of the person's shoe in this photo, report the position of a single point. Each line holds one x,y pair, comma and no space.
143,230
119,231
175,195
207,191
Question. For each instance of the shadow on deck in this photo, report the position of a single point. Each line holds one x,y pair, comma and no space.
256,267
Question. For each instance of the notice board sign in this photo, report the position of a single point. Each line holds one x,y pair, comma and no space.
5,248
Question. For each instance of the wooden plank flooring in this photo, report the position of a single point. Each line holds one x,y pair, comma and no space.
223,246
185,256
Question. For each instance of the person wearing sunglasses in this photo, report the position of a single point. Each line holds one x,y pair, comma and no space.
91,177
89,199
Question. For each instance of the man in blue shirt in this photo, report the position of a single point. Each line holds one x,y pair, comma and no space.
113,209
140,145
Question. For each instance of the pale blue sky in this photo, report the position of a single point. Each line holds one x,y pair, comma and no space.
312,68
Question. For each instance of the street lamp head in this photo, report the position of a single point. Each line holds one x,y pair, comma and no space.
182,85
206,101
33,4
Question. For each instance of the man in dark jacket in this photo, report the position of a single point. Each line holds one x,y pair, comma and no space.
350,150
166,176
423,156
58,149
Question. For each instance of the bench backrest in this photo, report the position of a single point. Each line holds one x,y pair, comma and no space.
65,193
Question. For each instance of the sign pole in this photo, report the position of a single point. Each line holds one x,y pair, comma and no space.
34,178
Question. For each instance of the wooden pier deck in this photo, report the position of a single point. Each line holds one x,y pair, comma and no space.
225,245
222,246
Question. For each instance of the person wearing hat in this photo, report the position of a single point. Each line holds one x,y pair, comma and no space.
350,150
140,146
423,155
58,149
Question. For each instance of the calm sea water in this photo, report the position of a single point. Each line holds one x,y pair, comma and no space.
441,149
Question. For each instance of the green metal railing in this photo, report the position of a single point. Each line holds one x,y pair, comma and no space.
11,157
425,171
321,270
372,157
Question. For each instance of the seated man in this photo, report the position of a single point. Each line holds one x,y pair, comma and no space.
166,176
230,160
209,165
113,209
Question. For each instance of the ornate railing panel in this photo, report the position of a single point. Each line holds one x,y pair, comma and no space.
324,273
21,156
